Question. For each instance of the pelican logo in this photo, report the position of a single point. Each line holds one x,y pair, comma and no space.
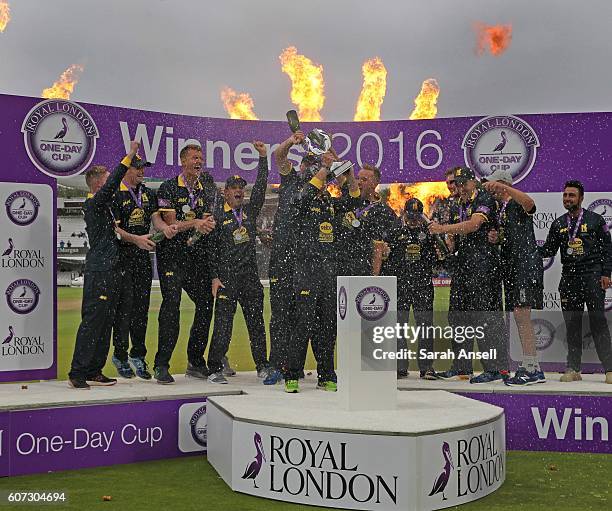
603,207
59,137
544,332
372,303
547,262
342,300
197,423
22,296
254,467
22,207
442,480
9,337
501,142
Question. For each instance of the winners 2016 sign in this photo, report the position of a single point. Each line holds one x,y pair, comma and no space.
49,139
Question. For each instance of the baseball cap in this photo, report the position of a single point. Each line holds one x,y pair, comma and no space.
139,163
463,174
413,207
235,181
505,176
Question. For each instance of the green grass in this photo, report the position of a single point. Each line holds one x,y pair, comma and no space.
535,481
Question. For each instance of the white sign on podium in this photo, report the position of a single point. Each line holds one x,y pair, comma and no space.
366,382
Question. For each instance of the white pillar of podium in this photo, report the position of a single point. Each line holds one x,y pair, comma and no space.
362,303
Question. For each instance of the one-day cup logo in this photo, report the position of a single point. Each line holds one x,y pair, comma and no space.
372,303
544,332
603,207
59,137
198,425
501,142
22,207
22,296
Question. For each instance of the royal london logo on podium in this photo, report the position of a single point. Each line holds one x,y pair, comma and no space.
59,137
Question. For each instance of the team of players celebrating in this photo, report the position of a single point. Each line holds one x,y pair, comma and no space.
205,245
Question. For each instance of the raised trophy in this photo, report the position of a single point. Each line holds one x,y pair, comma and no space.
318,142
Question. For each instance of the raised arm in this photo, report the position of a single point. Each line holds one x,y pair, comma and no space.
104,195
282,151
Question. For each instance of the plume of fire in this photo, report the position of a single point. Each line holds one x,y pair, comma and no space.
425,103
334,190
238,105
307,85
496,37
428,193
62,88
373,90
5,14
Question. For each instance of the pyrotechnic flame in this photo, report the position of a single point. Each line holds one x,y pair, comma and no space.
334,190
496,37
427,193
62,88
238,105
307,85
5,14
425,103
373,90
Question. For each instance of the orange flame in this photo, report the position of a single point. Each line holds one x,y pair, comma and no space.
63,87
334,190
428,193
238,105
425,103
5,14
496,37
373,90
307,85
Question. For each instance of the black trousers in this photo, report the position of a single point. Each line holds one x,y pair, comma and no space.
282,305
315,318
132,313
175,274
576,292
247,291
476,301
100,296
421,301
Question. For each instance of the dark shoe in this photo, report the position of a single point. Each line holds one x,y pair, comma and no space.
162,376
123,368
430,374
490,377
78,383
140,367
402,373
227,369
200,372
452,375
274,376
217,378
101,381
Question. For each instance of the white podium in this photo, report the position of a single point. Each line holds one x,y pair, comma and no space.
365,383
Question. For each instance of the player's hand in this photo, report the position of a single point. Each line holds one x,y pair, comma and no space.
144,242
492,235
605,282
134,146
170,231
260,147
298,137
216,285
436,228
206,224
494,187
327,159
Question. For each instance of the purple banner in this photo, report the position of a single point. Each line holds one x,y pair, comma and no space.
54,439
541,151
562,423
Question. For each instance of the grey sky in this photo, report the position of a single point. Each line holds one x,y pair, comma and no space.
175,55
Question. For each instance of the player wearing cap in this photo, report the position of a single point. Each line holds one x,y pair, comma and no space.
134,207
102,276
586,256
521,269
364,228
182,201
477,274
235,278
315,275
412,259
282,256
